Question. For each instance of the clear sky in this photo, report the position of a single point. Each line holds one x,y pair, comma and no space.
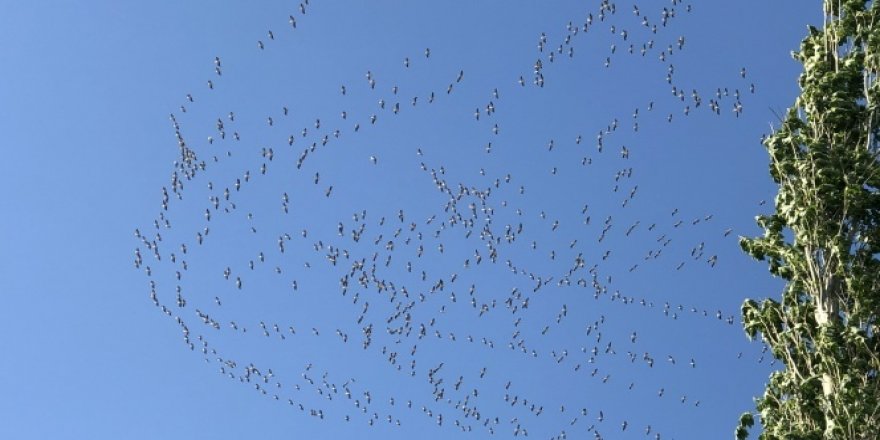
616,267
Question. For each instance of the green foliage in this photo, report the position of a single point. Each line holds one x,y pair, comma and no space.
746,421
824,239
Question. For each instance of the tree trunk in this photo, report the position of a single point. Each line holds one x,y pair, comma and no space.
828,311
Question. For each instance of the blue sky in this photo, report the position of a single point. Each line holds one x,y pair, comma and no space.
88,146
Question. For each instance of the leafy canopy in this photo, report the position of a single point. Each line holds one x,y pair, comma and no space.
824,240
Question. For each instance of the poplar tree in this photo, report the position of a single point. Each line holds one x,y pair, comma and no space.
823,240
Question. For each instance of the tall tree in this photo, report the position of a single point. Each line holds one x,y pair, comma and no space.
824,240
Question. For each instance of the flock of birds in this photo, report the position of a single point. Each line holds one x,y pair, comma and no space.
452,285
